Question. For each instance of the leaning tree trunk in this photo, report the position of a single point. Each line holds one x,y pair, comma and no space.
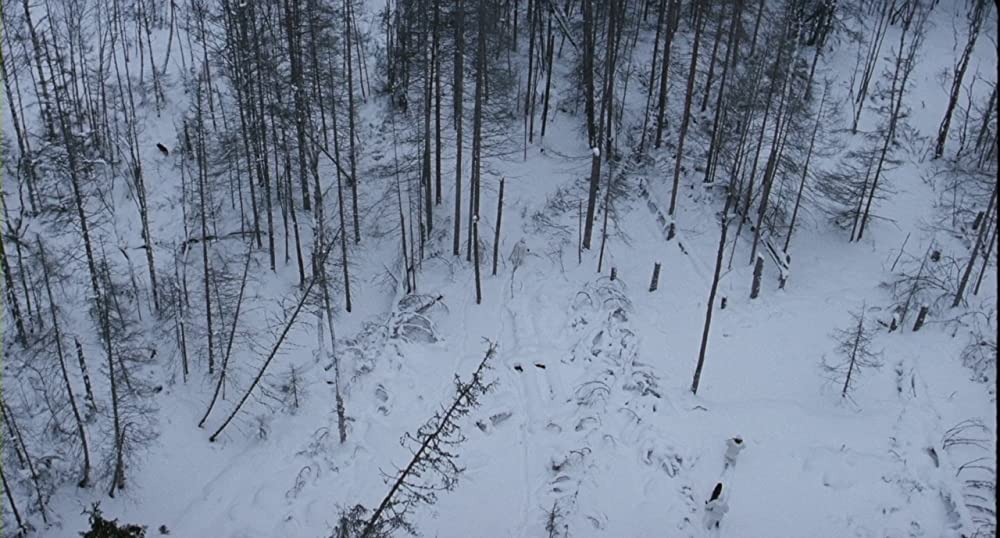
57,334
711,294
975,253
976,18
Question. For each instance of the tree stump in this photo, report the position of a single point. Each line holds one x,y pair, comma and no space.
921,317
758,270
655,282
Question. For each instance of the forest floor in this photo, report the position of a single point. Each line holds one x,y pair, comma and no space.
591,416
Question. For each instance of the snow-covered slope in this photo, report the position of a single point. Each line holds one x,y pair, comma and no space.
591,428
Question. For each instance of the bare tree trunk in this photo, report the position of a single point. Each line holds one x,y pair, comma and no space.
960,294
436,54
181,323
758,271
13,506
293,36
660,13
87,387
477,128
987,116
711,294
19,438
905,60
294,213
475,251
921,317
73,161
430,442
686,118
595,178
976,17
229,343
477,142
655,280
36,45
427,182
458,86
986,256
118,475
588,73
335,359
270,356
13,433
607,209
57,334
496,237
352,152
261,140
12,301
672,16
854,353
805,173
203,210
871,60
20,132
773,158
732,42
528,88
550,49
244,107
713,56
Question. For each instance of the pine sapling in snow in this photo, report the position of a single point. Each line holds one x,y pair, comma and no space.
854,346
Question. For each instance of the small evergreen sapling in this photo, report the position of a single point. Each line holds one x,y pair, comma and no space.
854,347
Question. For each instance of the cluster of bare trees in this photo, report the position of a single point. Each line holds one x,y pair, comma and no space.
113,252
129,234
77,79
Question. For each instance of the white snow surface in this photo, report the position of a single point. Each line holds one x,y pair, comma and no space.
591,411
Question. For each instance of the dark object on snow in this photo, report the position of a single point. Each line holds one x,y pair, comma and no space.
163,149
518,368
977,221
427,306
758,270
723,305
614,274
936,256
717,492
539,365
921,316
934,456
655,282
164,530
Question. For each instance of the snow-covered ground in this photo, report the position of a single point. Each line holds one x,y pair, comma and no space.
591,417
